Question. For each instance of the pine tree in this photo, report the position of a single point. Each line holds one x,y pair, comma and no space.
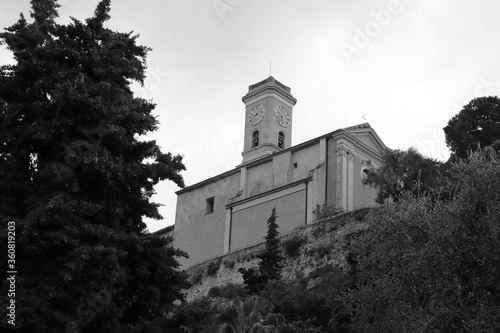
270,259
77,181
476,125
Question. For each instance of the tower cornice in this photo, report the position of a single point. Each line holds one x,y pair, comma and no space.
269,85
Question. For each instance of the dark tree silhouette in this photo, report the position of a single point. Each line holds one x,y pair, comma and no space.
271,258
403,171
477,124
76,180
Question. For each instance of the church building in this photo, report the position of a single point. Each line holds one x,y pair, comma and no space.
229,211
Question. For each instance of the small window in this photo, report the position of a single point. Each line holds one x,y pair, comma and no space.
210,206
281,140
295,165
255,139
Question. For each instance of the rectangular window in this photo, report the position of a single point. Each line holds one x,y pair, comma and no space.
210,206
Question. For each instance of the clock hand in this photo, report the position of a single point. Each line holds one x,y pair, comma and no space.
282,117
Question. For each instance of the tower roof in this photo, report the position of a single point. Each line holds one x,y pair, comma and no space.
269,84
269,81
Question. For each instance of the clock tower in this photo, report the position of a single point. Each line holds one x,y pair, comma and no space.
268,119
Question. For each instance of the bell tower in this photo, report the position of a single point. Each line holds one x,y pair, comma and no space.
268,118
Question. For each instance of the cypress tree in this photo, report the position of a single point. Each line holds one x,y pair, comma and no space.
77,181
270,259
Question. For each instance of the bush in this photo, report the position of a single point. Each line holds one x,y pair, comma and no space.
196,277
305,310
320,251
298,327
360,214
299,274
228,291
228,263
318,229
196,316
292,246
325,211
423,262
323,270
213,267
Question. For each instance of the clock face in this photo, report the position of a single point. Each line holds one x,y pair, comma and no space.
282,116
256,114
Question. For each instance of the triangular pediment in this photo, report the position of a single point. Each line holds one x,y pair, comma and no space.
365,134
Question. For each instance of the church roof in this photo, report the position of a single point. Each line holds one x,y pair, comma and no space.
364,127
164,231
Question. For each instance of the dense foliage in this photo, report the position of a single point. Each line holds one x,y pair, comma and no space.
248,316
423,263
415,265
477,124
77,181
402,171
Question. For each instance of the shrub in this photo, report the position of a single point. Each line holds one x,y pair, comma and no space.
228,263
323,270
213,267
196,316
324,211
292,246
240,257
318,229
228,291
246,315
360,214
305,310
196,277
321,251
298,327
299,274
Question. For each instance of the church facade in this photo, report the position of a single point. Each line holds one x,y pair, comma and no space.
229,211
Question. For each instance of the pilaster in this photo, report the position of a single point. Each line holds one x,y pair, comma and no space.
345,170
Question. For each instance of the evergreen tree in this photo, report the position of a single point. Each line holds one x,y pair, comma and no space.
477,124
77,181
270,259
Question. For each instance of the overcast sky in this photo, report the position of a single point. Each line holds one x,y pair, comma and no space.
407,66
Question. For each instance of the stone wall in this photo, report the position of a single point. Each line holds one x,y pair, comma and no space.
306,249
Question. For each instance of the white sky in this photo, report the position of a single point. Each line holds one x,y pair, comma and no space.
413,71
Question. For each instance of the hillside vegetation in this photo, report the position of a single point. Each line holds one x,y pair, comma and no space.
421,264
